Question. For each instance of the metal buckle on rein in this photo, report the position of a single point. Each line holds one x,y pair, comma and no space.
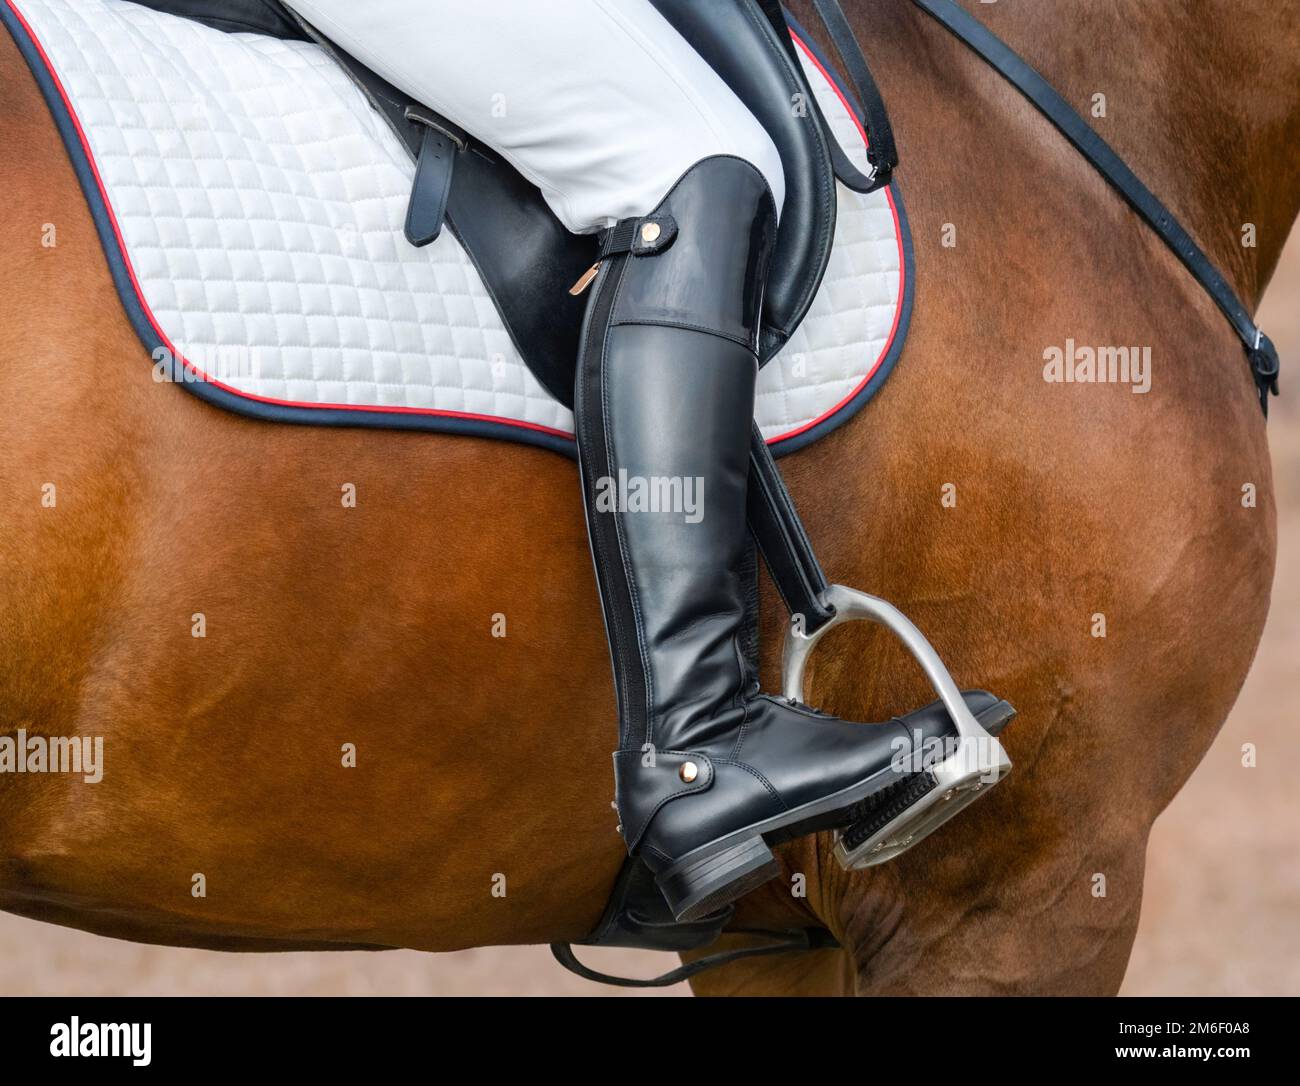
961,776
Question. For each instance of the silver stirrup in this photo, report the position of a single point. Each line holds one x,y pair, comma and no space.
977,764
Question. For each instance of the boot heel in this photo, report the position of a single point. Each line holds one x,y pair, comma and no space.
700,884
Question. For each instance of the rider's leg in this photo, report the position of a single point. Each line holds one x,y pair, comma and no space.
710,772
616,119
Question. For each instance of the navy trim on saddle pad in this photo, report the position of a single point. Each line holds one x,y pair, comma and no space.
423,419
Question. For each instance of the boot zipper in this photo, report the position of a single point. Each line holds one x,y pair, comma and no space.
584,280
624,647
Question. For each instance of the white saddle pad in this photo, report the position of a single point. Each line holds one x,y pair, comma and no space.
253,201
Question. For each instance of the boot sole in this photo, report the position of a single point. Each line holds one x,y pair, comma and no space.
718,873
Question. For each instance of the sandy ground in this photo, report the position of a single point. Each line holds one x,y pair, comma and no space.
1221,913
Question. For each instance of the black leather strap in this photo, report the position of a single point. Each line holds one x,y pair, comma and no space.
435,166
783,942
1260,351
781,537
882,152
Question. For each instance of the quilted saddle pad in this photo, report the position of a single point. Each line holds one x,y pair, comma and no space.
250,202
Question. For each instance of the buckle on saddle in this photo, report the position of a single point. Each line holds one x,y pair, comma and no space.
435,165
939,791
418,114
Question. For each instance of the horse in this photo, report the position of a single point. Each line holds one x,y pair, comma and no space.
395,729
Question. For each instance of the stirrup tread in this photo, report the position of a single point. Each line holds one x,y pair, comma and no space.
882,809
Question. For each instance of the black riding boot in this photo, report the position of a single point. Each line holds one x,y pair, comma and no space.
709,772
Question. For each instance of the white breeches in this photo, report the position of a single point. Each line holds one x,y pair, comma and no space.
600,103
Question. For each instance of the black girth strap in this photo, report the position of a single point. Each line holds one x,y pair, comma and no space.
1260,351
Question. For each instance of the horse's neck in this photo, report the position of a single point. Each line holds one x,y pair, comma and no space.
1203,101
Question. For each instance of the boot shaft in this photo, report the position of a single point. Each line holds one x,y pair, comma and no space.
665,403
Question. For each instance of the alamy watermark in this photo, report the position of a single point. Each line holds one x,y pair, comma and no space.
1083,365
917,753
120,1040
682,494
226,363
83,754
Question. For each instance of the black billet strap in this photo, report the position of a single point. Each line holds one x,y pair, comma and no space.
1260,352
781,942
781,538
